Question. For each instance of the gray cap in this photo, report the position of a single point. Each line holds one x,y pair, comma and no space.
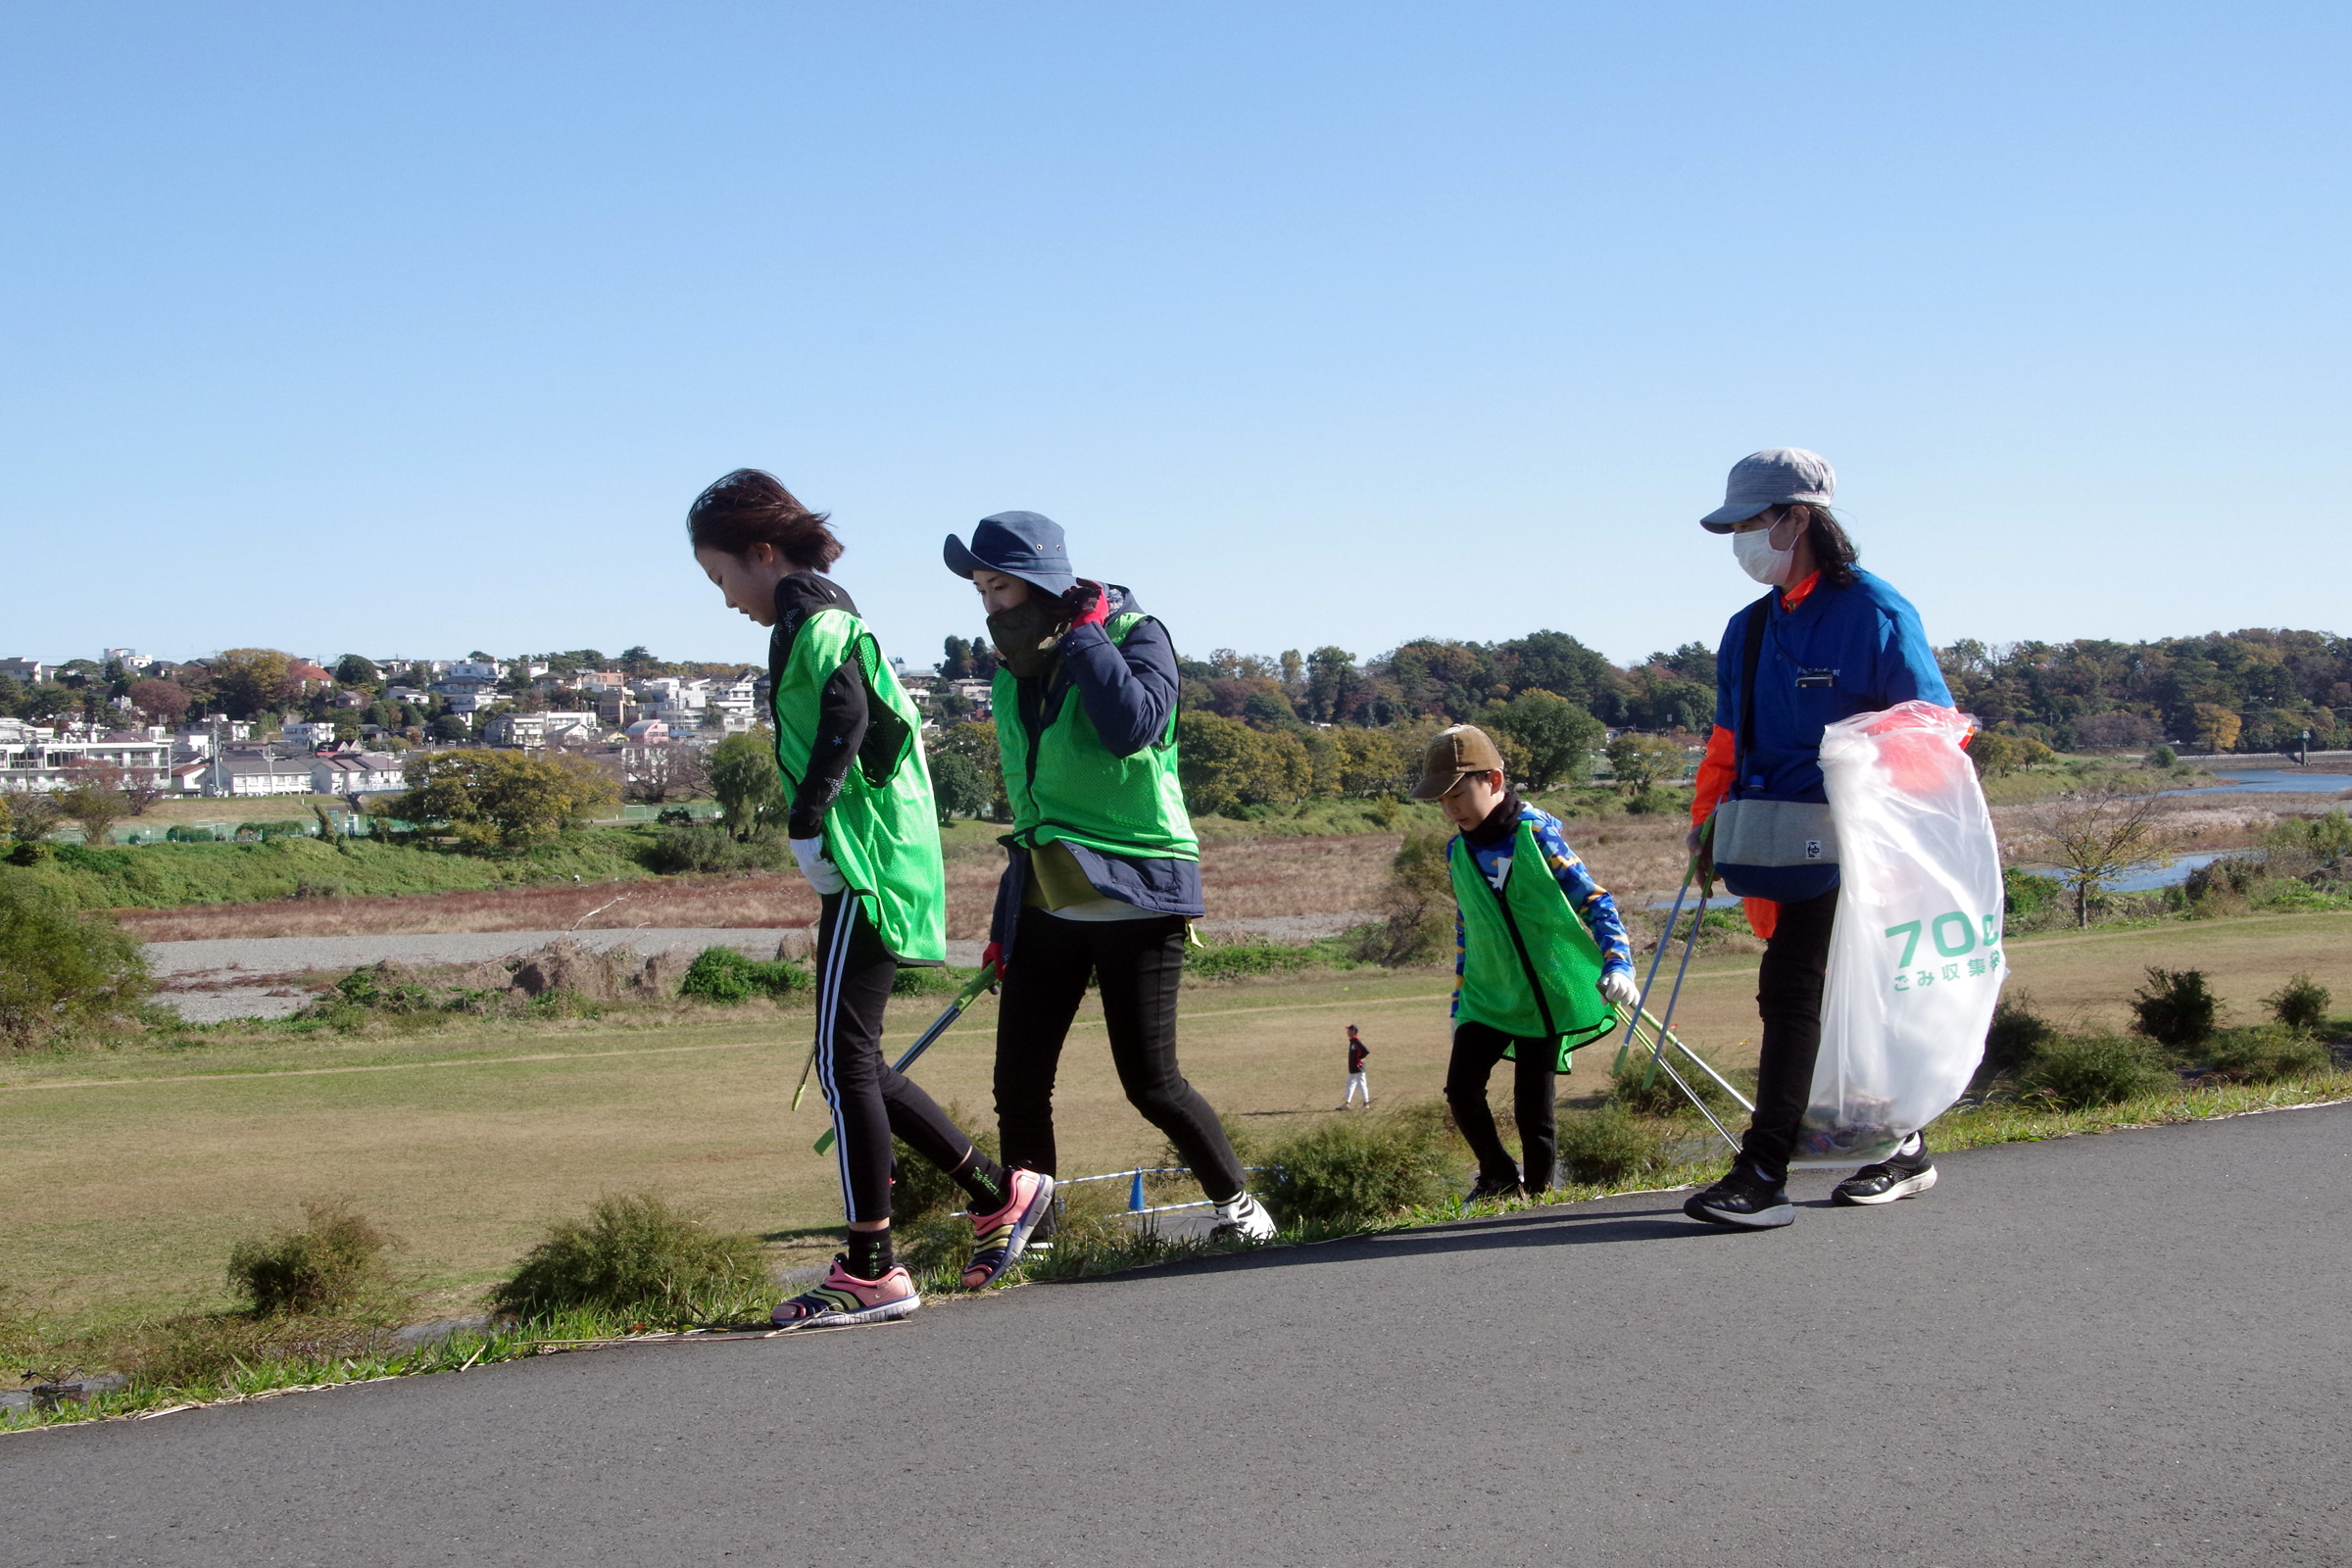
1772,477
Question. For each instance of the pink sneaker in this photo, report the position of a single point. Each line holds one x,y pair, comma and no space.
845,1299
999,1237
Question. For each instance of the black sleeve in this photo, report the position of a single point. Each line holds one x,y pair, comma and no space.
841,721
1129,689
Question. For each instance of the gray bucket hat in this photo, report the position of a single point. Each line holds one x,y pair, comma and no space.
1027,545
1772,477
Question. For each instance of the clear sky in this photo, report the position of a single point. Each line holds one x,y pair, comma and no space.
413,329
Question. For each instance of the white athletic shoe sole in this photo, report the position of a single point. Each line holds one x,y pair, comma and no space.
1908,1187
883,1313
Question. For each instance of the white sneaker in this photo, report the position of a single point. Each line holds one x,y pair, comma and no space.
1245,1219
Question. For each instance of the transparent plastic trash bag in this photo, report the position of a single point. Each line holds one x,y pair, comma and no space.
1915,953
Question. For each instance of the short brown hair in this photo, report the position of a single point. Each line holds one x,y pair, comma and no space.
750,507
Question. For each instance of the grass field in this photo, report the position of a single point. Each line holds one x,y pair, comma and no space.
128,1174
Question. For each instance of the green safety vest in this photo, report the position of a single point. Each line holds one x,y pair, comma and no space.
883,830
1067,784
1529,966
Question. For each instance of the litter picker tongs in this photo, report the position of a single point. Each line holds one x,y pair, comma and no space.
1645,1031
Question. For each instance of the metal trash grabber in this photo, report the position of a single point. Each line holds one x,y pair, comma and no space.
1662,1028
922,1042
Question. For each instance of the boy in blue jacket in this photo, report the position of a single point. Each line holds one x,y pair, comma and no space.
1540,960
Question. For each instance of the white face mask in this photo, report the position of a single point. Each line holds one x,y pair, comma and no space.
1759,559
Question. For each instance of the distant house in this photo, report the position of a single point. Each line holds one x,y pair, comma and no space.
648,732
309,735
306,674
357,773
29,670
254,770
130,658
533,730
38,757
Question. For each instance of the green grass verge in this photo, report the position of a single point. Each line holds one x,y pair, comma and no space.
1094,1242
171,875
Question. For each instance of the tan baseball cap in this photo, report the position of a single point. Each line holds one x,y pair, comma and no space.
1463,748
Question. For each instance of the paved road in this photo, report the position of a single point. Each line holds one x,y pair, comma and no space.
2099,1350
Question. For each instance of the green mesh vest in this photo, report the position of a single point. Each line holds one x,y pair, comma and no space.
1529,966
1067,784
883,830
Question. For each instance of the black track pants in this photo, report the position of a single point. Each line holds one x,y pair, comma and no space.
1789,1001
1136,964
1535,1075
869,1100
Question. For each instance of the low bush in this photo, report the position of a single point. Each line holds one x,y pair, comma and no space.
2175,1007
288,828
2016,1033
636,1252
727,976
929,980
2301,1004
2266,1054
1644,1090
1609,1145
62,973
1241,960
2028,896
707,846
2084,1072
1354,1171
332,1263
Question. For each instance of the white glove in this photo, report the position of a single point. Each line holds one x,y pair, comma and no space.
822,874
1618,989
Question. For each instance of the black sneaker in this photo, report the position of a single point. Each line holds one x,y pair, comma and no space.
1742,1199
1489,1188
1906,1175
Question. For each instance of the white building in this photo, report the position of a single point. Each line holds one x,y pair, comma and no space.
130,658
533,730
357,773
36,756
258,770
737,698
309,735
32,671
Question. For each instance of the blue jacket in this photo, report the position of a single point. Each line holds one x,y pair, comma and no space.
1840,651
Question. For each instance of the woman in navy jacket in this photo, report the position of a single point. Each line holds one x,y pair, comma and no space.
1829,641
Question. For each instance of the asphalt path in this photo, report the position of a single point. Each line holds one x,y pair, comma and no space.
2129,1348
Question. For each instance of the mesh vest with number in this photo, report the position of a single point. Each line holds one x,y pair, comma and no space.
883,830
1066,784
1529,966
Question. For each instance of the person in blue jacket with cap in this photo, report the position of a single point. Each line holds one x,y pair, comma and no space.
1826,641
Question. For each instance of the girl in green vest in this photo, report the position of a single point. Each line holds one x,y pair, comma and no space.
1540,960
1104,874
866,835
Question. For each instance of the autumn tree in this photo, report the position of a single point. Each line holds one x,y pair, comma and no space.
745,782
499,799
2095,837
162,701
250,680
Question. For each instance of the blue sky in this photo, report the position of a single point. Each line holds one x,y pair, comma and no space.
415,330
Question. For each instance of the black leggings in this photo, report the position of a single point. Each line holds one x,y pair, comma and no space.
1477,1047
1137,965
1789,982
869,1100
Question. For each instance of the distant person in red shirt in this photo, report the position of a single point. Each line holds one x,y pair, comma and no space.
1357,1083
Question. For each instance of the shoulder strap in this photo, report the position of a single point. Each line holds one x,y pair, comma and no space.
1751,656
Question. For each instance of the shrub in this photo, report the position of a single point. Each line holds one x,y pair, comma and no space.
1235,961
288,828
1418,914
2016,1033
708,847
2027,896
635,1252
1643,1089
1609,1145
332,1261
2163,757
2080,1073
386,987
2266,1054
1354,1171
2175,1008
60,972
189,835
928,980
2300,1004
726,976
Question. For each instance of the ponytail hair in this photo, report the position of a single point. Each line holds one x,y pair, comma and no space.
750,507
